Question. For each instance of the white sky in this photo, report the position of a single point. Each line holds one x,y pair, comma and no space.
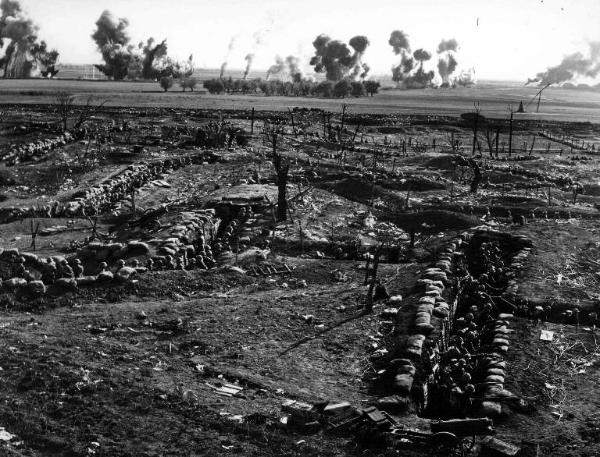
502,39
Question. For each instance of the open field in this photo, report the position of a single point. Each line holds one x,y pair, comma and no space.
156,300
557,104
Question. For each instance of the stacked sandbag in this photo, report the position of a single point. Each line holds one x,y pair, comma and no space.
36,150
495,367
517,264
404,376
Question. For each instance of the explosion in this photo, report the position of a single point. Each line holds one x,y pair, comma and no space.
447,62
291,65
337,61
124,60
573,66
404,72
24,57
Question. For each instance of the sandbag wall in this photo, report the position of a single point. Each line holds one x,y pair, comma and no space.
28,274
416,359
103,197
38,149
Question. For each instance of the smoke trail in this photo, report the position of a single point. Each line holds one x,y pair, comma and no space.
573,66
249,58
230,47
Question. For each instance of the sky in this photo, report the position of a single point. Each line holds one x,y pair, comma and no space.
500,39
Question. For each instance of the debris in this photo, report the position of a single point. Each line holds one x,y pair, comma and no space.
493,447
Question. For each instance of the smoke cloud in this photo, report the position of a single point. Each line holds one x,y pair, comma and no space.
124,60
399,42
24,56
573,66
447,62
334,58
290,66
447,45
409,72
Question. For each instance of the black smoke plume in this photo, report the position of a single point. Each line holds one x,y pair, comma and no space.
337,61
401,46
24,56
399,42
124,60
573,66
447,62
359,43
152,53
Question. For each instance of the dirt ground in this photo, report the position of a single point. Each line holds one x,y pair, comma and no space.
138,368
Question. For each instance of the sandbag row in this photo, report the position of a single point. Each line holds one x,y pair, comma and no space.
431,303
495,366
36,150
99,198
517,263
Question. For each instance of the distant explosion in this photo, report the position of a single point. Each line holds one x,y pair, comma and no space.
290,66
409,73
125,60
447,62
337,61
573,66
24,56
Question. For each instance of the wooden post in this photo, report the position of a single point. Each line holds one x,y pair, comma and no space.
510,133
497,141
476,124
252,122
292,117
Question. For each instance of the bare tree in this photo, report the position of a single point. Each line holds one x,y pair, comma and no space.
64,105
34,233
282,168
